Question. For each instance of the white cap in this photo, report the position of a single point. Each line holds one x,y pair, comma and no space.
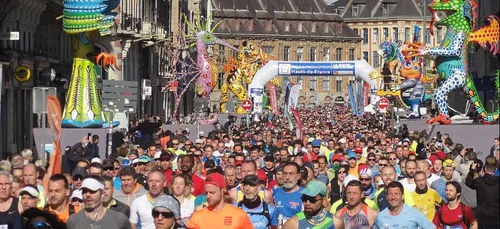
135,161
187,129
342,140
96,159
198,141
77,193
92,184
201,133
157,155
30,190
348,179
366,172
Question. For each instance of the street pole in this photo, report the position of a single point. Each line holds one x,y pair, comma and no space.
44,130
425,32
110,133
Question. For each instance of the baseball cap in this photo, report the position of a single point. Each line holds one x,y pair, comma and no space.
261,175
216,179
238,163
165,156
135,161
316,143
314,188
201,133
348,179
210,164
126,162
337,157
269,157
252,180
144,159
358,150
365,171
96,159
79,171
30,190
279,168
168,202
157,155
108,163
310,140
342,140
352,155
77,193
198,141
449,163
92,184
187,130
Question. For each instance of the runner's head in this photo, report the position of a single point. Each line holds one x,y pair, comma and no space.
58,190
93,192
166,210
215,186
453,190
313,197
354,193
291,174
251,187
395,194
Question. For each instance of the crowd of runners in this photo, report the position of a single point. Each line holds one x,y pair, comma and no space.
343,172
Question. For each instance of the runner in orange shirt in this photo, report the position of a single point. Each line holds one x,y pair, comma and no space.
218,214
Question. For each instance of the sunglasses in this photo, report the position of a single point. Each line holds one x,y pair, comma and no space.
382,165
86,190
76,178
187,144
342,171
77,200
392,159
365,179
371,159
40,225
167,215
311,199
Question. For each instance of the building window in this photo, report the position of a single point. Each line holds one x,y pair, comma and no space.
376,58
395,34
222,53
338,84
375,36
355,10
286,53
351,54
220,79
439,35
269,25
326,54
326,83
407,34
365,56
268,49
299,27
427,36
338,54
313,27
385,9
386,32
222,24
300,52
365,36
312,83
235,53
250,25
287,26
356,31
237,25
312,54
325,27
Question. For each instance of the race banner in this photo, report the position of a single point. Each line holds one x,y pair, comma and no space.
273,98
54,117
298,122
294,96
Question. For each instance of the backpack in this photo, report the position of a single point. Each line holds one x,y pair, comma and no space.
71,209
463,219
265,212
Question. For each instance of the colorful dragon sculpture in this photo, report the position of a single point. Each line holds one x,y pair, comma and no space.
82,19
241,72
201,37
451,55
411,93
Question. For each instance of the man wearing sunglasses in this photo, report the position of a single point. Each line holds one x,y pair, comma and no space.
166,212
111,168
262,214
95,215
315,214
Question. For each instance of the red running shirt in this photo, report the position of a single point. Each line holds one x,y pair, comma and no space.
453,217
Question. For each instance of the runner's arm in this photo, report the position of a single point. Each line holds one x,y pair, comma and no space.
338,222
269,197
293,223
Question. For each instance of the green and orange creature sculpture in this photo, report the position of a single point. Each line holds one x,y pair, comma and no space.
85,20
451,55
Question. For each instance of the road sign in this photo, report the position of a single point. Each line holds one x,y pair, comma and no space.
246,105
383,104
10,36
